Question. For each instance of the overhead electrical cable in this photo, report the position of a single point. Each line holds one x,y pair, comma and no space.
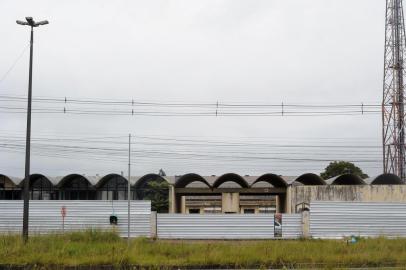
181,109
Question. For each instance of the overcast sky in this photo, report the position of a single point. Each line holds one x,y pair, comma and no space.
271,51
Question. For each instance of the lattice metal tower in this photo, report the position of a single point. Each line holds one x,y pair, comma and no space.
393,114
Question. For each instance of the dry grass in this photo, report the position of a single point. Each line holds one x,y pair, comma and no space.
106,248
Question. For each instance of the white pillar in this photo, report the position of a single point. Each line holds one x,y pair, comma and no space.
172,199
288,200
230,202
305,224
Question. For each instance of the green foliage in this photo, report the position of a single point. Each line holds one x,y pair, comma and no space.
93,248
342,167
158,193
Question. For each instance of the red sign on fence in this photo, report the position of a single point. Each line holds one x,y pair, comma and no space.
63,211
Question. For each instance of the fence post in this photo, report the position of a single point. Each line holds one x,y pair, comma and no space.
154,233
305,223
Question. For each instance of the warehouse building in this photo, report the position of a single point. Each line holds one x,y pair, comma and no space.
228,193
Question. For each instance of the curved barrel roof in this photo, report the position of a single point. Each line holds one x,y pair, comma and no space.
213,181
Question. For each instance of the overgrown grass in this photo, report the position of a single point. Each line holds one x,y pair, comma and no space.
106,248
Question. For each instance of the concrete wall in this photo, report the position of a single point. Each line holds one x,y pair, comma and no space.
359,193
230,202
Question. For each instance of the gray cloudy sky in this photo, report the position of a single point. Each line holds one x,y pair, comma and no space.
273,51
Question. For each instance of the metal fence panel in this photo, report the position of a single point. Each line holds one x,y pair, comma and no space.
215,226
369,219
45,216
291,226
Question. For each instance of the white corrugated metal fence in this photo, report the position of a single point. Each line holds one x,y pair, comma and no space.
45,216
370,219
215,226
327,220
291,226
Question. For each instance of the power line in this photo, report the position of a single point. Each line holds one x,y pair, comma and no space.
14,63
132,102
152,153
22,110
195,152
170,109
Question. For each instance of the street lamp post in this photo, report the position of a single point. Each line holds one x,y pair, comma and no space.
129,189
31,23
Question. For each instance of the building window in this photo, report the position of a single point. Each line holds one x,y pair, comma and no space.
114,188
267,210
194,211
249,211
212,210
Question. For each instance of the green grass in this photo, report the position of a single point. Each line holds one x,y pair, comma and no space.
106,248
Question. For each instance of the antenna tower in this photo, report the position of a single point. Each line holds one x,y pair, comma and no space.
393,115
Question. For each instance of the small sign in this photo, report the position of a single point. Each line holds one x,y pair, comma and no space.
278,225
63,211
113,220
63,214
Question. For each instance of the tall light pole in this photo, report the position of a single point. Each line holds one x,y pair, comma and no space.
31,23
129,188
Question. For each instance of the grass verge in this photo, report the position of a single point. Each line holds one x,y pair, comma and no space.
92,248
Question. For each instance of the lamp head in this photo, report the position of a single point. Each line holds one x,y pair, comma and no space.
30,21
21,22
41,23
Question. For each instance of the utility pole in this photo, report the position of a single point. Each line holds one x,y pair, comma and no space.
129,187
393,113
31,23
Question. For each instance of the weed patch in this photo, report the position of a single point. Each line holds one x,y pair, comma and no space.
97,248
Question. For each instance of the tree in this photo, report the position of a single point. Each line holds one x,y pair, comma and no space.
158,193
342,167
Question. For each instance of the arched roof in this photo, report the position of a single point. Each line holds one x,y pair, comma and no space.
310,179
273,179
346,179
148,177
186,179
230,177
214,181
11,181
387,179
36,176
105,179
70,177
